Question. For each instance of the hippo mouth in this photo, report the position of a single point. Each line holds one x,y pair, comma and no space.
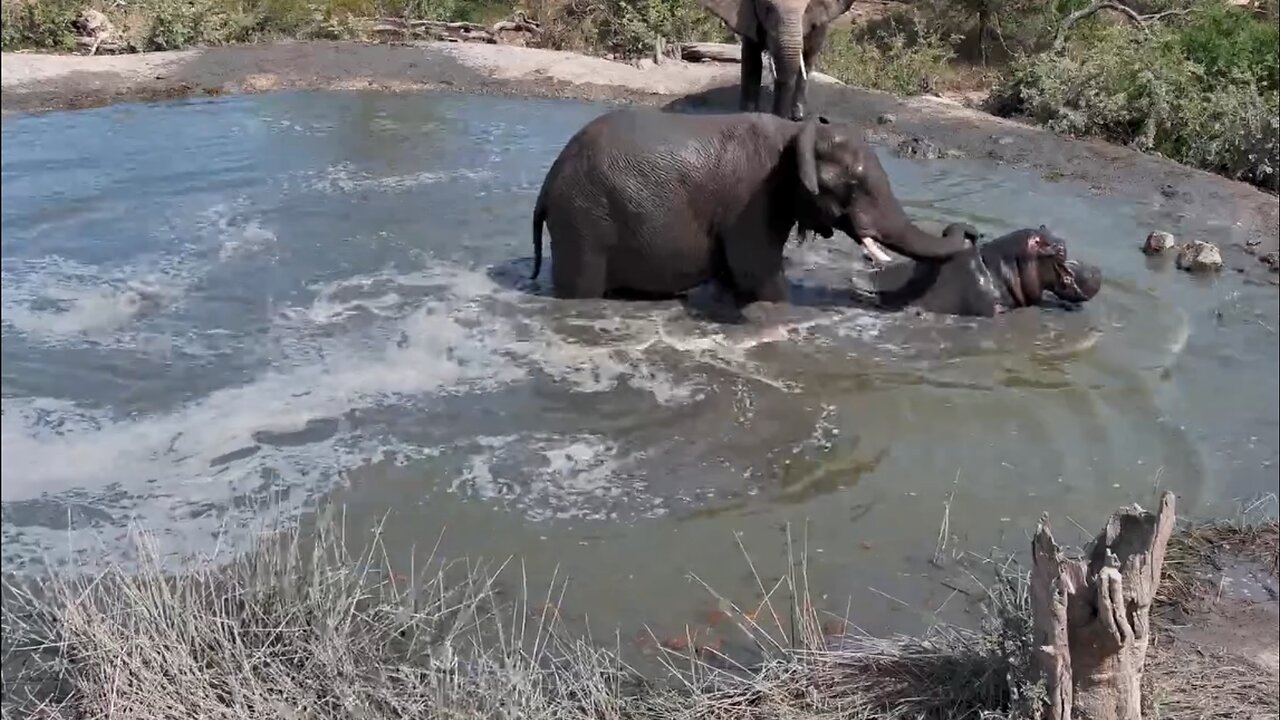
1075,281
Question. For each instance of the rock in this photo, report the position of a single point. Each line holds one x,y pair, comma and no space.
1271,260
1157,242
645,63
1199,256
886,119
919,148
1169,191
1004,140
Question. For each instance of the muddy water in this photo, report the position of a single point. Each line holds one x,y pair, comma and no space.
219,312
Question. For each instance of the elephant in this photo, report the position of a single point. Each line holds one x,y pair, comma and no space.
1011,271
792,31
651,203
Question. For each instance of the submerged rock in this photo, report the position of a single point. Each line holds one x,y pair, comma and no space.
920,148
1271,260
1157,242
1199,256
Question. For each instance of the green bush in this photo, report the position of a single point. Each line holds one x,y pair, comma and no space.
905,60
1148,92
176,24
1225,40
627,28
38,24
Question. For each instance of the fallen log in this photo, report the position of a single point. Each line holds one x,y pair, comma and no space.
515,26
1091,616
711,52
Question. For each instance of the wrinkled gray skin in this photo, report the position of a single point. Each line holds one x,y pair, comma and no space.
1011,271
643,202
792,32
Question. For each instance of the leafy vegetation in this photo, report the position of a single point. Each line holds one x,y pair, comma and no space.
1201,90
901,56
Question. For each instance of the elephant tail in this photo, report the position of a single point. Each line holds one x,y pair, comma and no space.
539,217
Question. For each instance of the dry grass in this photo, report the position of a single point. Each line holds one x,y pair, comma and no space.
1199,551
303,629
1207,684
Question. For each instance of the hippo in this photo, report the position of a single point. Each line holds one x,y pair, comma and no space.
1011,271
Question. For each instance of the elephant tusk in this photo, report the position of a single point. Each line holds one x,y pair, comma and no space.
804,73
875,251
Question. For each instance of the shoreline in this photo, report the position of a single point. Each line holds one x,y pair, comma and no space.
1192,204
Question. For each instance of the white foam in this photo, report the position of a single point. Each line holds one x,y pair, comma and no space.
343,178
58,301
394,340
556,478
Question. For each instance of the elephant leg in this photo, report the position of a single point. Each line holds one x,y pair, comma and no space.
813,44
752,69
753,267
784,92
578,272
774,289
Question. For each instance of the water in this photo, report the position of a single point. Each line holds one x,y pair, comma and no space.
217,312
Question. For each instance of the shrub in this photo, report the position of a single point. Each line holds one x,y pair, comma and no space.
176,24
1147,92
627,27
38,24
902,60
1225,40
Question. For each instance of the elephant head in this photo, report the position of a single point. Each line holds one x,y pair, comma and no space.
792,31
1029,262
850,192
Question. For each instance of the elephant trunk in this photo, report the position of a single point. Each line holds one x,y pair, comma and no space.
788,63
904,237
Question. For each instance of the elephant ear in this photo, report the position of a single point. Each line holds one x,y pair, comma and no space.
822,12
807,154
740,15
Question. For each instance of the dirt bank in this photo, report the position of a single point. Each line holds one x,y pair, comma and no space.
1189,203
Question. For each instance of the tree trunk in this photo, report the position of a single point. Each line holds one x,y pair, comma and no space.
1092,616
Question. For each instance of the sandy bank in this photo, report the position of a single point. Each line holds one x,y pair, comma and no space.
1190,203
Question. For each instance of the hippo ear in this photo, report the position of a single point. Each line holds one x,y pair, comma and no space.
1039,245
739,15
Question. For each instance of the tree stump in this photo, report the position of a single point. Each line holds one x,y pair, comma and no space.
1092,616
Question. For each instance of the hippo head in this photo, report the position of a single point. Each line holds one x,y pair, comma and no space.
1029,262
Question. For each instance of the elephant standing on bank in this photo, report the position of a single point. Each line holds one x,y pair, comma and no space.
792,31
647,202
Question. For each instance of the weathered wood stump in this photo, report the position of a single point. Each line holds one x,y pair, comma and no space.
1092,616
711,52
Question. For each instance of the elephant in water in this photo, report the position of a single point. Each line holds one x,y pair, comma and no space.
1011,271
652,203
792,31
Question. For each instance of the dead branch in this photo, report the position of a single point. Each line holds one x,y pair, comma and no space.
455,31
1140,21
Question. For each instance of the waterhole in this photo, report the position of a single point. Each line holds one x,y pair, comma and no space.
219,312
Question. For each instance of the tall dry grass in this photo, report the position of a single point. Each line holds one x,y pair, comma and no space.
300,628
